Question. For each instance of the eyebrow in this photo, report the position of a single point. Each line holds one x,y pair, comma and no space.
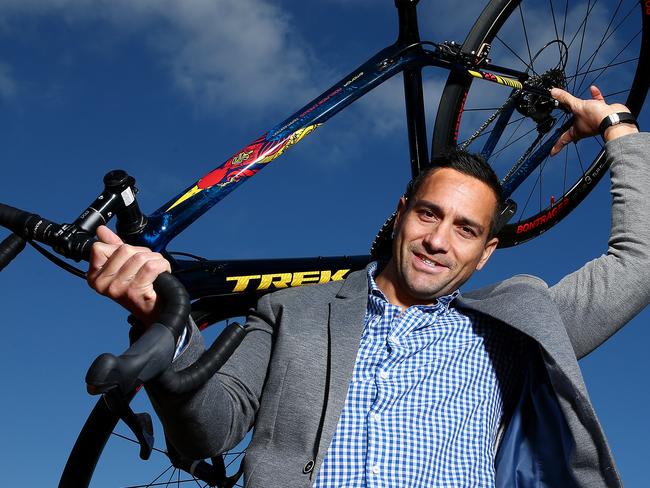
460,220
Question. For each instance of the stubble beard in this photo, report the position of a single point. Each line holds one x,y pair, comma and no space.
420,285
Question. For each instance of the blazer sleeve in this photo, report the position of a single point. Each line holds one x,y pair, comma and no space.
599,298
216,417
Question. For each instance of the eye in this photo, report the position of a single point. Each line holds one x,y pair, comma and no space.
467,231
426,214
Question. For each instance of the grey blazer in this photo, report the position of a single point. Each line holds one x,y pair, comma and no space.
290,376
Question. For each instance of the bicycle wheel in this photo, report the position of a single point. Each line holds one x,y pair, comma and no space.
557,43
89,464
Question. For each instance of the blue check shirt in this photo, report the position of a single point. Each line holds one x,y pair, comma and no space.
425,401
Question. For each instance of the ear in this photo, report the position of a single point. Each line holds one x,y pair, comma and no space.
401,208
489,248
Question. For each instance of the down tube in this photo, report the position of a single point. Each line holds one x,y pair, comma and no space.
173,217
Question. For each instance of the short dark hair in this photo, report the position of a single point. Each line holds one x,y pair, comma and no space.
473,165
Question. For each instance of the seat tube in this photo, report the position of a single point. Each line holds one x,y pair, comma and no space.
413,93
416,121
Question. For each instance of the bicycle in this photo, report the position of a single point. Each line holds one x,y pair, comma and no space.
538,227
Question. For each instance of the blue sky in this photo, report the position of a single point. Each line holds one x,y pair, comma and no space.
168,90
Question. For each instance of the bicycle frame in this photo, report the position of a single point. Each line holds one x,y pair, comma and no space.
405,55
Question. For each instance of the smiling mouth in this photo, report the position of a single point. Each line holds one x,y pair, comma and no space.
430,262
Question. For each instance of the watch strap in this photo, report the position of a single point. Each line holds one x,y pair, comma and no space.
615,119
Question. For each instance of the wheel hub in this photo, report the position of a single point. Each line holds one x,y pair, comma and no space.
539,107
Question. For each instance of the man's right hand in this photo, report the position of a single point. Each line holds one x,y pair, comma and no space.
588,116
126,274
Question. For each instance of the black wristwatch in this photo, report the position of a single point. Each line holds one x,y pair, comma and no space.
615,119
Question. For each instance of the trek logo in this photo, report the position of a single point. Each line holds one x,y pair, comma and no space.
285,280
542,219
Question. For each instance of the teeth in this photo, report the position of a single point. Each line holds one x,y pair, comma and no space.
430,263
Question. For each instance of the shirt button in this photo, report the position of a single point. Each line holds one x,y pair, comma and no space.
374,417
375,469
383,374
395,341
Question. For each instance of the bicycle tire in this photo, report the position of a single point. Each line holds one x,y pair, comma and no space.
500,23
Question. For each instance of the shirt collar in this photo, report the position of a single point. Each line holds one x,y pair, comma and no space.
442,302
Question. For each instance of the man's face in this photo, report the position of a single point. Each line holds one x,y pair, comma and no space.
441,237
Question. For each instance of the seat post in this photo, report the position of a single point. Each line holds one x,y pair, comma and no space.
408,21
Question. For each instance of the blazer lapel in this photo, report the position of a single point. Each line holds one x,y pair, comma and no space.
347,312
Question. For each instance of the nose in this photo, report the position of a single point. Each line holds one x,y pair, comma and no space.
437,240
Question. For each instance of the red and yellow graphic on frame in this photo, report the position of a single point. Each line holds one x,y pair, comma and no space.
245,163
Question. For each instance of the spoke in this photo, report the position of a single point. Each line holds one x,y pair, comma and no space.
235,457
532,191
171,476
610,63
155,482
566,12
509,123
510,144
593,70
136,442
582,41
490,109
517,55
581,25
521,121
593,55
523,25
579,158
557,35
152,483
613,94
603,41
159,484
488,132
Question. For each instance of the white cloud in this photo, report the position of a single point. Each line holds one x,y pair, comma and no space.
221,54
224,55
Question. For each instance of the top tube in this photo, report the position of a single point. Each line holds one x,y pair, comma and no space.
178,213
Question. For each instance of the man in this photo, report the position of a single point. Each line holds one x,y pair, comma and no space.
392,378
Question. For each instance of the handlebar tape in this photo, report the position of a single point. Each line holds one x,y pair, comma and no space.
34,227
10,248
153,352
28,225
206,366
150,357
